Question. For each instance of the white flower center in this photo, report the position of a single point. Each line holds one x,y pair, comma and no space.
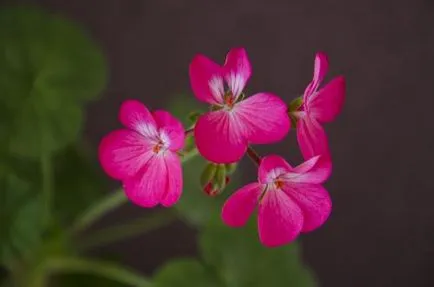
162,143
276,178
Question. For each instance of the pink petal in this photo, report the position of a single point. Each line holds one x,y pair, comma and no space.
206,79
311,138
148,186
237,70
268,165
134,115
280,220
315,170
174,183
320,70
327,103
123,153
219,137
265,118
241,204
314,202
170,127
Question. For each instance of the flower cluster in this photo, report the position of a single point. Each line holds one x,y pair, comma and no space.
290,200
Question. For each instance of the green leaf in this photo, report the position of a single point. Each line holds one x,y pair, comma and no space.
44,131
48,68
74,280
242,261
78,182
185,272
21,222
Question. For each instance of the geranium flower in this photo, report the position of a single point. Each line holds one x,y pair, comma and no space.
223,134
319,106
290,199
144,155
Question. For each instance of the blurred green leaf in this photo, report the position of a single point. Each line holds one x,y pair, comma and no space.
242,261
44,131
185,272
21,222
48,68
78,182
74,280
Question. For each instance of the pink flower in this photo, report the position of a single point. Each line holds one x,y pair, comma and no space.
223,134
144,155
291,200
318,107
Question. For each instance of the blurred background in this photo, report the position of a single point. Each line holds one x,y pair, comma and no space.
381,231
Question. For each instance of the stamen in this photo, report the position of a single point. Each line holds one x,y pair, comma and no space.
229,99
157,148
278,184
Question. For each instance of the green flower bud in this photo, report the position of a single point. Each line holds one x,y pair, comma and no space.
208,174
295,104
231,168
220,177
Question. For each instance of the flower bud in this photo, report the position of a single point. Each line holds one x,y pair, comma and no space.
212,189
220,176
231,168
294,106
208,174
214,179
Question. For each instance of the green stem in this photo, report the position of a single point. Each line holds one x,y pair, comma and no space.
95,212
124,231
111,202
47,186
96,267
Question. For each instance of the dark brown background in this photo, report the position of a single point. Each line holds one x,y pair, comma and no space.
381,232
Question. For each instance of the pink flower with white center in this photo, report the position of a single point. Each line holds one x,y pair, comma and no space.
290,199
223,134
144,155
319,106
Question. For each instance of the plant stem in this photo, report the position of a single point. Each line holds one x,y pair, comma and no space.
253,155
189,131
47,187
96,267
110,202
124,231
95,212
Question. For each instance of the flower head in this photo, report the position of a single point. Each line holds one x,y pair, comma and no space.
223,134
144,155
290,199
319,106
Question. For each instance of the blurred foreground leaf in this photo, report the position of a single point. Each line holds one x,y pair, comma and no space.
21,223
185,273
243,262
78,182
74,280
48,68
